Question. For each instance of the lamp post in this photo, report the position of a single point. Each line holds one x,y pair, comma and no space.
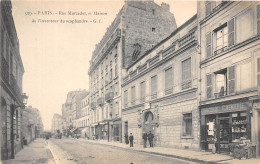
13,117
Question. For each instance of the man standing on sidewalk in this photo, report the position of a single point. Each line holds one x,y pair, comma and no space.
131,139
150,139
145,139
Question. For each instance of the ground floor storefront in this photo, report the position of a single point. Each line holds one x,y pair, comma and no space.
226,125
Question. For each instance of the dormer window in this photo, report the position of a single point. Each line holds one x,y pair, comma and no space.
153,29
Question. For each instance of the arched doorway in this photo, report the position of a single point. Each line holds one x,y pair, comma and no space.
148,122
4,151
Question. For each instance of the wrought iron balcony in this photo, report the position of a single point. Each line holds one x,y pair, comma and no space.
5,70
109,96
100,101
93,105
220,50
220,94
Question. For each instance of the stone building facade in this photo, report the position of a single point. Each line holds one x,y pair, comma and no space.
57,123
229,41
12,71
160,91
137,27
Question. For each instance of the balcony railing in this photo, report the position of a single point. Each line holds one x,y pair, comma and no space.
220,94
186,85
5,70
154,95
168,90
154,59
109,96
220,50
168,50
187,38
93,105
100,101
142,100
142,67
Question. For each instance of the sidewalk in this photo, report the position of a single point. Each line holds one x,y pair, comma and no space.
34,153
195,156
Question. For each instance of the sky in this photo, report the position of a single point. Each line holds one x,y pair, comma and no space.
56,55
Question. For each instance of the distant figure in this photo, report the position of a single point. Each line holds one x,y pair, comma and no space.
150,139
145,139
131,139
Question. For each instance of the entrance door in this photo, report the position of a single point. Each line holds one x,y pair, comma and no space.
223,135
148,120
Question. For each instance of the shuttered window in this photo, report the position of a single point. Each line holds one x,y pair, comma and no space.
133,95
125,98
208,7
168,81
231,79
208,45
258,19
209,86
186,70
231,32
154,87
142,91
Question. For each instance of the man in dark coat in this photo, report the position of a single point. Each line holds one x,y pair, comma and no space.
145,139
150,139
131,139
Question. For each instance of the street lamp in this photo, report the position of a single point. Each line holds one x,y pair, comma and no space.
13,117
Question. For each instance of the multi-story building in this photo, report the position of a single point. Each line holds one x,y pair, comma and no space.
71,109
137,27
229,62
57,124
12,71
160,91
31,124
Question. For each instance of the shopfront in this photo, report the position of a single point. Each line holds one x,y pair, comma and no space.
223,124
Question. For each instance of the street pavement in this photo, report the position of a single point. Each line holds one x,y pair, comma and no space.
68,151
34,153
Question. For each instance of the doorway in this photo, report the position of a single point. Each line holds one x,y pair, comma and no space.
223,135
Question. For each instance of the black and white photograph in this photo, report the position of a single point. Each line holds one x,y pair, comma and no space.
130,82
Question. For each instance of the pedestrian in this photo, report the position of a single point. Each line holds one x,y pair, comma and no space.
150,138
131,139
145,139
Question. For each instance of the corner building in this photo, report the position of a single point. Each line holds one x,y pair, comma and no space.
160,91
137,27
229,106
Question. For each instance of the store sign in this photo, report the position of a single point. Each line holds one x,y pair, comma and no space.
240,106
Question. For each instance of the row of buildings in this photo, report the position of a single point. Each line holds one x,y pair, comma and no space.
192,85
15,127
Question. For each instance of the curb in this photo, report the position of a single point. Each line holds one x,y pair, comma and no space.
162,154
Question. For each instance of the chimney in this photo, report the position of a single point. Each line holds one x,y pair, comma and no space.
165,6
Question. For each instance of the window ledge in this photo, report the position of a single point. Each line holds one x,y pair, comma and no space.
186,137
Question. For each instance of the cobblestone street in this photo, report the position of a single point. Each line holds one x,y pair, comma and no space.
76,151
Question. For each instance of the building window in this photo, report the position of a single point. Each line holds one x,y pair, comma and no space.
116,70
154,87
153,11
142,91
116,88
186,73
168,81
221,35
125,98
133,95
153,29
187,124
221,83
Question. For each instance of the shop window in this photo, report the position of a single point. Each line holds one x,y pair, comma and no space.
187,124
221,83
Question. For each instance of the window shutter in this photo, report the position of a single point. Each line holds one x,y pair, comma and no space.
209,85
208,44
231,32
231,79
208,7
258,19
